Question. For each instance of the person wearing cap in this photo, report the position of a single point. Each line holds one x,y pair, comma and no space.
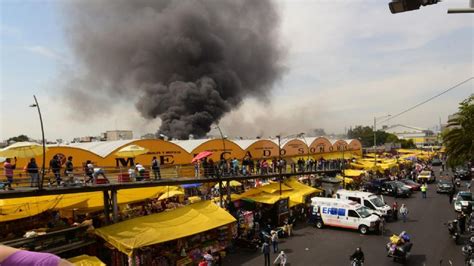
281,259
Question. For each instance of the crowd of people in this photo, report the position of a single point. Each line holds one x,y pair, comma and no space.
247,166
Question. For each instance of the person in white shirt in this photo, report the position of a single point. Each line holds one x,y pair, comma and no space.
281,259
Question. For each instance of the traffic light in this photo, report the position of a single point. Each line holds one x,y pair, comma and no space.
398,6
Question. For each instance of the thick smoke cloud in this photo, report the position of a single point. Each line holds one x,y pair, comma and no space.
186,62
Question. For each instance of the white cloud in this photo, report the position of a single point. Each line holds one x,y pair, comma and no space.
46,52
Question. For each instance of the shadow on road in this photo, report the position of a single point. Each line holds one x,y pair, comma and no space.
416,259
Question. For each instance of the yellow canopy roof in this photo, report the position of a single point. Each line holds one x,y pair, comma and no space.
85,260
170,194
233,183
166,226
23,149
353,172
274,187
294,190
18,208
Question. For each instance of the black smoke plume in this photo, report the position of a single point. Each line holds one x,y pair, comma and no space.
186,62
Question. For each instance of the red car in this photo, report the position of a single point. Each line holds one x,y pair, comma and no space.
414,186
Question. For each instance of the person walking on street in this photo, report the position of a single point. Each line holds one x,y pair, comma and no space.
451,195
32,169
395,210
382,225
266,253
9,167
155,167
404,212
281,259
275,241
423,188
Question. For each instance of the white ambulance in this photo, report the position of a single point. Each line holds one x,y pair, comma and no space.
367,199
345,213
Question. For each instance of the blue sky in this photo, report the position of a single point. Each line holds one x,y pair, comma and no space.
347,62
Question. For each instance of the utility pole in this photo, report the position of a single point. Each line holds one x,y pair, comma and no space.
36,104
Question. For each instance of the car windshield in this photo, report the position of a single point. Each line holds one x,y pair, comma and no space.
377,201
399,184
467,197
363,212
444,182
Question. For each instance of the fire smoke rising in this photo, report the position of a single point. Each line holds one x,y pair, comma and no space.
186,62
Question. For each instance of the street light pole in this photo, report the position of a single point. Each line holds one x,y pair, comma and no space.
40,185
219,172
279,160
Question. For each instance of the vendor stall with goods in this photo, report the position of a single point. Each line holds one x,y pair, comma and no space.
177,237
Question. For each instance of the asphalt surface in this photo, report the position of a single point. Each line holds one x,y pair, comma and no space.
332,246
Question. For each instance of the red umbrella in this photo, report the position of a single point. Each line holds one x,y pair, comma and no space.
201,155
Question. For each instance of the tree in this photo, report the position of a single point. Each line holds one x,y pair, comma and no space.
458,137
366,136
19,138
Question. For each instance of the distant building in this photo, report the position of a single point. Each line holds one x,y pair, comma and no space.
148,136
118,135
420,136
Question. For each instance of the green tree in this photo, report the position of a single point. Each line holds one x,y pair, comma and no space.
19,138
366,136
458,137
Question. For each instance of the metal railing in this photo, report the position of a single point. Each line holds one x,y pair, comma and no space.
22,179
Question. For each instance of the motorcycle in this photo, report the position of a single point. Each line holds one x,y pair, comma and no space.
400,250
453,230
457,182
467,252
356,262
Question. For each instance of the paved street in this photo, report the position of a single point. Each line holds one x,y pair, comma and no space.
331,246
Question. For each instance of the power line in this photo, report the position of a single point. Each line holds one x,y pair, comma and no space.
428,100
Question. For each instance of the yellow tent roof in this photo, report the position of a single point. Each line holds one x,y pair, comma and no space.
170,194
274,187
85,260
166,226
353,172
233,183
18,208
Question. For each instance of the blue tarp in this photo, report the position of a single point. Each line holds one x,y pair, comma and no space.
191,185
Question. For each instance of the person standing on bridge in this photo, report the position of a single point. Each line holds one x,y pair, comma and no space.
9,167
155,167
32,169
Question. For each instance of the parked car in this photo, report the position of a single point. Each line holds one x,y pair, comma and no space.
463,200
396,189
426,176
445,186
374,185
462,173
436,162
412,184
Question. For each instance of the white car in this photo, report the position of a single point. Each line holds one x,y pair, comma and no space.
462,200
426,176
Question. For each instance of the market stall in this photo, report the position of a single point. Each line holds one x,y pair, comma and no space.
176,237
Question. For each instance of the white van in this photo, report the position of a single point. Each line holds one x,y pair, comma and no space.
367,199
345,213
